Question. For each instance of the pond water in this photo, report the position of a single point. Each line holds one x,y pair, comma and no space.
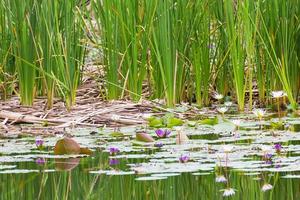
222,161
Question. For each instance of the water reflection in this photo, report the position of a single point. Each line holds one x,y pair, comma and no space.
66,164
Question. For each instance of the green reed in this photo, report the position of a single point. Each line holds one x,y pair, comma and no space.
279,34
23,28
202,47
45,40
176,50
7,69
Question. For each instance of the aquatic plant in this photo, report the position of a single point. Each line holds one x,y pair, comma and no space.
237,123
259,113
40,161
228,103
163,133
184,158
222,110
158,144
278,95
176,50
39,142
228,192
114,161
278,147
266,187
113,151
41,37
144,137
181,137
221,179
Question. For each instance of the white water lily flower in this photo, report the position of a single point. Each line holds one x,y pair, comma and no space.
115,117
236,122
222,110
228,192
259,113
266,187
228,103
278,94
227,148
218,96
221,179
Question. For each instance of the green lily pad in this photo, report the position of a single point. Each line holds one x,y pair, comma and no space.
155,122
277,125
174,122
209,121
117,134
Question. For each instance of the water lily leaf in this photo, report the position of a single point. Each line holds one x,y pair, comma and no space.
166,174
151,178
277,125
192,123
171,122
201,173
19,171
209,121
117,134
155,122
224,127
144,137
142,144
7,166
66,146
119,173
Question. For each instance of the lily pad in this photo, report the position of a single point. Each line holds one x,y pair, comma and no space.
151,178
209,121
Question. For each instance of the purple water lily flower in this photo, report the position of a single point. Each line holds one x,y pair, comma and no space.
269,162
184,158
278,164
39,142
158,144
163,133
114,161
278,147
113,150
268,156
40,161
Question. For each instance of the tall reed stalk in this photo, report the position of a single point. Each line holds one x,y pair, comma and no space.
23,27
279,34
7,68
181,50
234,30
46,41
